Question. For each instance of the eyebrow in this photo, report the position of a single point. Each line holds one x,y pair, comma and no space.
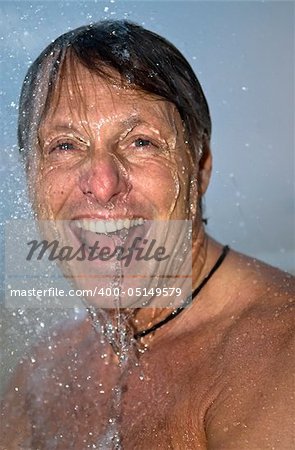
128,122
59,127
131,121
134,120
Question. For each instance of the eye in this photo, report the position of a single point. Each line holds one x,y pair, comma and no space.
63,146
141,142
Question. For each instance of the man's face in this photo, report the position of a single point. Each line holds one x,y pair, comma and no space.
112,167
110,153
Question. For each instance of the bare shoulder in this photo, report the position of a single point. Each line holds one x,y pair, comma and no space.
265,299
261,328
255,406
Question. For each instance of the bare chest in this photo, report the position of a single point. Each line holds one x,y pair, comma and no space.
159,403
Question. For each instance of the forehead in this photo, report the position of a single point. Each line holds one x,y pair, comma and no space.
83,96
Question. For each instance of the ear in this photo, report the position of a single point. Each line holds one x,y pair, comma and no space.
205,168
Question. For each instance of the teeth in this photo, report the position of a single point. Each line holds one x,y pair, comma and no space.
92,226
98,226
108,226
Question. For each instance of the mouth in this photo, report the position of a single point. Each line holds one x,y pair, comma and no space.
108,226
90,232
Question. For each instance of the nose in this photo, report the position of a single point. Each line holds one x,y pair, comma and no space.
104,180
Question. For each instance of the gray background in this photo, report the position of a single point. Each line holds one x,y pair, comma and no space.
243,54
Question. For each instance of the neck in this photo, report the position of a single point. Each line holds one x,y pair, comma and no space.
137,320
145,318
140,325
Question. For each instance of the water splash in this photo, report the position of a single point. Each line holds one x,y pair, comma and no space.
113,326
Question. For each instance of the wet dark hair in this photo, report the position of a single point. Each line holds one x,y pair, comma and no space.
143,59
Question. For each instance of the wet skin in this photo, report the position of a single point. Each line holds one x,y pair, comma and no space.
110,152
218,375
102,146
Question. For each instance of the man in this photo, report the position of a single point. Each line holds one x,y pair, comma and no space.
114,126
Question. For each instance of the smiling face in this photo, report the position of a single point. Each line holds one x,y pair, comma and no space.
109,152
112,160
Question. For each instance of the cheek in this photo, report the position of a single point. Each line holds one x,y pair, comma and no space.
51,190
188,188
156,180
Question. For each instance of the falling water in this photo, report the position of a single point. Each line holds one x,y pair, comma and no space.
112,327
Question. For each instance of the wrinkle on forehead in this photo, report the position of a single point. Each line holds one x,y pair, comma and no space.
82,95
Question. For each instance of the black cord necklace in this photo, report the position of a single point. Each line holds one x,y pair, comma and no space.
188,300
